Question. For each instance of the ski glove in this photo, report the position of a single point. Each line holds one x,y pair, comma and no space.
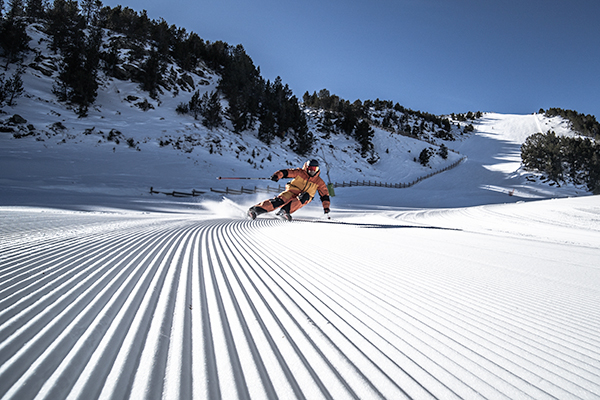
326,210
274,178
304,197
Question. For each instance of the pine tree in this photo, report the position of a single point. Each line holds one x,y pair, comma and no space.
593,167
189,50
151,73
424,156
543,152
243,87
303,139
303,142
195,105
90,10
160,34
363,135
12,88
211,110
443,152
111,59
35,9
533,153
3,90
13,39
16,8
240,119
327,126
79,45
62,19
283,105
266,130
348,119
308,99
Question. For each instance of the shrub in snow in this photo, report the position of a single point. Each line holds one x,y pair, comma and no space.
425,155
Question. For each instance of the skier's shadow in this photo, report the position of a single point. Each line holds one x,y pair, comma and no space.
376,226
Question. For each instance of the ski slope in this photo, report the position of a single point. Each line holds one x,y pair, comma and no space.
480,282
493,301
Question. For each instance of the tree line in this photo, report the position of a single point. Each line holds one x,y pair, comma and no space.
584,124
563,158
355,119
352,112
342,116
76,33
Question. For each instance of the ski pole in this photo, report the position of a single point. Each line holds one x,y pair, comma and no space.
235,177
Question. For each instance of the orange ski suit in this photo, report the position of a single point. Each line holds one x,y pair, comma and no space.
302,183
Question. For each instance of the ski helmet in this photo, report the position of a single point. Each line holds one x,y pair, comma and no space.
313,163
312,167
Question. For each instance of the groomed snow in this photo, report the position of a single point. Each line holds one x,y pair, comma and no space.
492,301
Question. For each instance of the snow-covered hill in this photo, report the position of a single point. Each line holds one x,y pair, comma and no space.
440,290
130,142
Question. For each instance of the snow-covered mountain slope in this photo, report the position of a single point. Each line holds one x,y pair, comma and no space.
130,142
175,150
42,170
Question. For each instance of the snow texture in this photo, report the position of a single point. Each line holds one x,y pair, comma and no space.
484,302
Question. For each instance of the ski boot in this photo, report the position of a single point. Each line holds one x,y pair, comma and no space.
284,214
252,213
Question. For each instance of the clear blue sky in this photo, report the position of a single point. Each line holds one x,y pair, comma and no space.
439,56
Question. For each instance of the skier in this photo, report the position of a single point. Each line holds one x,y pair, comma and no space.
298,192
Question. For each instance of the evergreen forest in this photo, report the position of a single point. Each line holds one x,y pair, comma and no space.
78,31
563,159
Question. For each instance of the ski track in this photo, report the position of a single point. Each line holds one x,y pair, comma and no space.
153,306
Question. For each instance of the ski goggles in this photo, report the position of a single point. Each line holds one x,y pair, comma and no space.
312,169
